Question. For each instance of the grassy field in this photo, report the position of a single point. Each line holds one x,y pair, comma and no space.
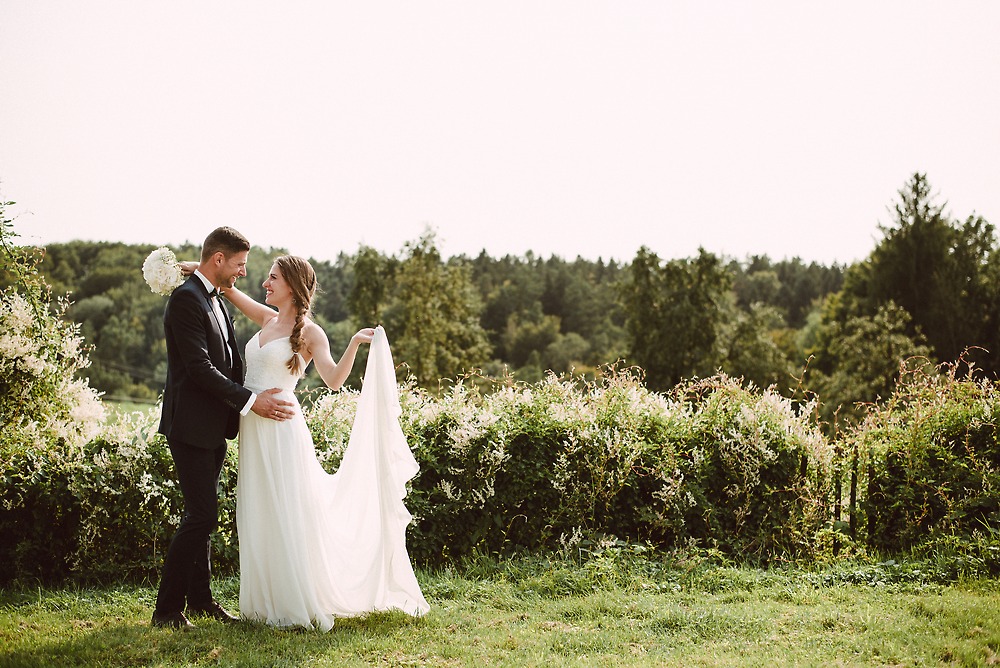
605,612
120,407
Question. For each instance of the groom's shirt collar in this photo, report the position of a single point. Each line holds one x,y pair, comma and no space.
208,284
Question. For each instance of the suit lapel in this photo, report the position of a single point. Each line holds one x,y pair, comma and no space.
228,318
220,327
233,352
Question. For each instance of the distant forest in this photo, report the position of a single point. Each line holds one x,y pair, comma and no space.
929,292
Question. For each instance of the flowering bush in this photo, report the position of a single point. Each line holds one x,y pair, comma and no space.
932,451
105,511
42,403
544,466
749,474
45,410
548,465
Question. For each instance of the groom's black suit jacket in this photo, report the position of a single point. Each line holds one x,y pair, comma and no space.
204,392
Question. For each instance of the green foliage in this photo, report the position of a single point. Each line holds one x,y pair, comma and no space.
103,512
754,351
529,332
536,314
674,314
42,405
369,292
929,289
435,315
550,464
959,557
332,300
790,286
858,361
938,270
507,286
683,321
735,469
932,452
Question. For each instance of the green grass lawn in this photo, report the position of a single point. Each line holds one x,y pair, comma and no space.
541,613
115,409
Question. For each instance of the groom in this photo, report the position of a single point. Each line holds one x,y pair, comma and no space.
202,403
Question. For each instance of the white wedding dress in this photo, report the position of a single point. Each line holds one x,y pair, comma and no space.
315,546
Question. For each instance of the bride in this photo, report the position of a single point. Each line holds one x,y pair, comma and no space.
316,546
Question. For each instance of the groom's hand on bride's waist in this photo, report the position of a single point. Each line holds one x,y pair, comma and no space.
267,405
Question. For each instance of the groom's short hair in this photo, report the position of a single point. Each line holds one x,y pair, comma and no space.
224,239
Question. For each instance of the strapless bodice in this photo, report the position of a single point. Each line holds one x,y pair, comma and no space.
266,365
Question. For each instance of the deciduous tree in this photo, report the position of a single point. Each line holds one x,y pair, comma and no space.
435,315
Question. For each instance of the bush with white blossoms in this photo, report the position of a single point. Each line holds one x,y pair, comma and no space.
130,504
525,466
42,402
80,497
47,413
748,475
162,271
932,456
549,466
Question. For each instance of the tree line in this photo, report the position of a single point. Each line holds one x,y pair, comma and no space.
927,293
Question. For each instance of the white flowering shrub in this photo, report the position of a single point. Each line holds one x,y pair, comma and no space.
46,410
108,510
529,467
932,456
552,464
747,475
41,399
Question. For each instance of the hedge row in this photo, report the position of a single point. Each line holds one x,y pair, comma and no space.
551,465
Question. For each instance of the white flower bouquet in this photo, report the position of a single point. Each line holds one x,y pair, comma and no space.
162,271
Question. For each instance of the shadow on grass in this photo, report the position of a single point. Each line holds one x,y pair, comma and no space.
121,643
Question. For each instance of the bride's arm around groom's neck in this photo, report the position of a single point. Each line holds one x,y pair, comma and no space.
248,306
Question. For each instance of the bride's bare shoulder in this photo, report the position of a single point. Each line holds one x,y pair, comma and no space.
313,330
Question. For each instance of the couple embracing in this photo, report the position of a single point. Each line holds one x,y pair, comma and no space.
313,546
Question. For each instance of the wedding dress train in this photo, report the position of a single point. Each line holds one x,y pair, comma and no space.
316,546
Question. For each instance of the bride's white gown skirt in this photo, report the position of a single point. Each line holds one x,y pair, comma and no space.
315,546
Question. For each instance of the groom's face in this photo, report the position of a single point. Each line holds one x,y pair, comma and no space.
233,267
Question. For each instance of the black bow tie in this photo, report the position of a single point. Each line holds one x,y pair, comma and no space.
214,293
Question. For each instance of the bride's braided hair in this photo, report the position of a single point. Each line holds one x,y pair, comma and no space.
301,278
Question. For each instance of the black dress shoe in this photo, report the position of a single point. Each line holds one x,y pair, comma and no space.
172,620
213,610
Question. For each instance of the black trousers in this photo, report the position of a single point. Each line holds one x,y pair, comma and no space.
187,569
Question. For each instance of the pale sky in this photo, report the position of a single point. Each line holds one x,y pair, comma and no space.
560,127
